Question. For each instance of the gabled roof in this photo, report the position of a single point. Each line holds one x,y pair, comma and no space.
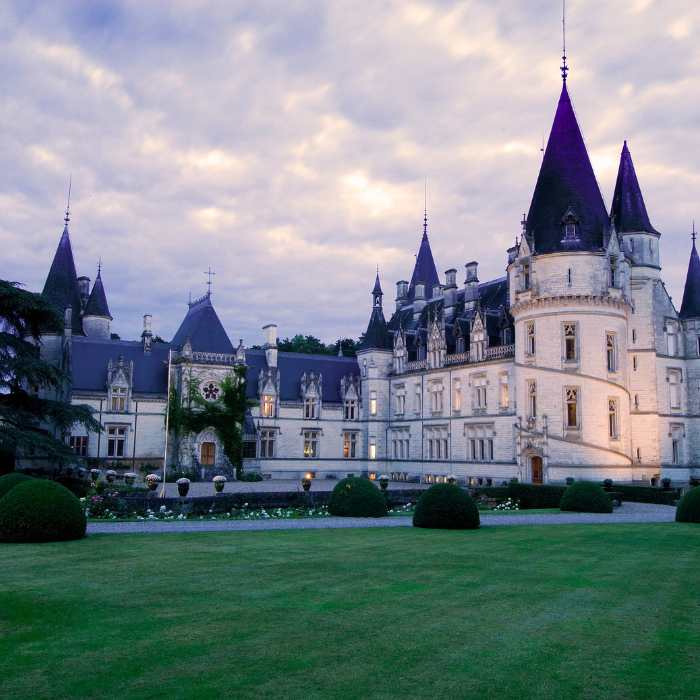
628,209
566,180
97,302
61,287
690,308
424,270
204,328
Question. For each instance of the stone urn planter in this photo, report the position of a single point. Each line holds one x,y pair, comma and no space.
384,481
183,486
219,483
306,484
69,471
129,478
152,480
451,479
81,472
666,483
607,484
94,474
111,476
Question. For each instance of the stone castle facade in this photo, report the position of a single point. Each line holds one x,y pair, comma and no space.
575,364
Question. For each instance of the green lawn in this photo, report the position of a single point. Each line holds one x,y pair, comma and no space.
595,611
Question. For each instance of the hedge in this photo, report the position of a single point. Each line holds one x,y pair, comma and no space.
356,497
647,494
9,481
446,507
586,497
688,510
536,495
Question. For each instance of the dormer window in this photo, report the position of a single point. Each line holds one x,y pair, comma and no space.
118,399
570,225
571,230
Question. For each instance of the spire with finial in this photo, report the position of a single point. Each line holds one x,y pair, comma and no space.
564,68
690,307
425,214
67,216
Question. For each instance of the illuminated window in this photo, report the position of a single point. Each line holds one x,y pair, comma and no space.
457,395
118,399
372,449
268,406
373,403
116,442
349,445
267,444
311,443
79,443
504,390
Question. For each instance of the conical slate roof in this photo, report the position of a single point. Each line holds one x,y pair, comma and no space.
628,210
690,308
377,335
377,287
566,180
204,328
61,287
97,302
424,269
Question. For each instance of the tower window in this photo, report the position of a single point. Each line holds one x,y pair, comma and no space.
532,399
530,339
571,408
571,230
570,342
612,419
610,351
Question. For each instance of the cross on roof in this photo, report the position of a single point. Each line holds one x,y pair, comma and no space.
210,273
693,234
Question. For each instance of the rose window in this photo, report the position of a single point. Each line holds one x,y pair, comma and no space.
211,391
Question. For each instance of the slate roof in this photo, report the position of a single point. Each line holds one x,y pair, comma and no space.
97,302
292,365
376,336
566,180
690,308
628,210
424,269
204,328
91,356
61,287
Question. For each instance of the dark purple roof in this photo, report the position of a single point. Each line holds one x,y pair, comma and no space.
424,270
690,308
377,287
91,357
292,365
204,328
628,209
376,337
566,180
61,287
97,302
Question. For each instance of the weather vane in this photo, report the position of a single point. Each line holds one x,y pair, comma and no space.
210,273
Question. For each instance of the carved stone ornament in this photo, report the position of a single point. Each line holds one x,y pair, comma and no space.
269,382
311,385
350,386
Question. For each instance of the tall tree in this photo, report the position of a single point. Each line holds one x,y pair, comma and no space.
29,424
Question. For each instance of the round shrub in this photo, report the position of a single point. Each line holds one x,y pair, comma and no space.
9,481
356,498
446,507
688,510
41,511
586,497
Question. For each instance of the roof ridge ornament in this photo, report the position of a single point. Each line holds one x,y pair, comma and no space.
564,68
67,216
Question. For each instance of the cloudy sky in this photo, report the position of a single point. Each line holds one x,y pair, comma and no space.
286,144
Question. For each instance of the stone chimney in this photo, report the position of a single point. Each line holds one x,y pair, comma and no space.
401,294
471,284
270,344
147,336
450,290
418,300
68,316
84,287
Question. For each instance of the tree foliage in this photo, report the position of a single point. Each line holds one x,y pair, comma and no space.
309,345
226,415
28,424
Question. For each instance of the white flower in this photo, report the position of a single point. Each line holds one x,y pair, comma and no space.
383,477
111,472
183,480
152,477
130,475
219,478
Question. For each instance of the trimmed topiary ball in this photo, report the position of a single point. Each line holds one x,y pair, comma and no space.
9,481
357,498
688,510
41,511
586,497
446,507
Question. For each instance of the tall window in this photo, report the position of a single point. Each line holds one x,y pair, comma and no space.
569,341
372,448
612,419
634,335
116,442
250,449
614,281
634,363
636,402
436,439
436,397
267,444
479,387
480,445
504,390
349,445
350,409
373,403
310,443
676,435
532,399
79,443
672,338
310,407
530,339
399,443
610,351
118,399
457,395
571,408
419,406
674,389
526,276
268,406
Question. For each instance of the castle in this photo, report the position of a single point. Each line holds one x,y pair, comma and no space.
575,364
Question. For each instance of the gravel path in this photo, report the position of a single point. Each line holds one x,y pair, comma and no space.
627,513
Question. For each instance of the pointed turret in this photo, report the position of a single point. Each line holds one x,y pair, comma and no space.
690,308
204,329
424,269
628,210
567,210
96,316
377,335
61,287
